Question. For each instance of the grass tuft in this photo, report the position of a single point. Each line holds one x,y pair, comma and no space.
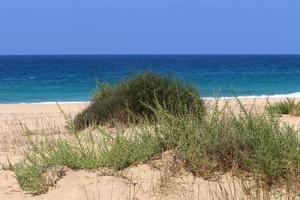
90,151
220,142
288,106
30,178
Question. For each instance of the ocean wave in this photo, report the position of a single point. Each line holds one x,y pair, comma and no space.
291,95
59,102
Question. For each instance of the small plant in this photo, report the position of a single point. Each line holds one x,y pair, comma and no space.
288,106
86,151
30,178
129,100
221,141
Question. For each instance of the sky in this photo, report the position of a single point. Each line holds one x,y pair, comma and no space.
149,27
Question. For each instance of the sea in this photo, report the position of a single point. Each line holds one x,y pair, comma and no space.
72,78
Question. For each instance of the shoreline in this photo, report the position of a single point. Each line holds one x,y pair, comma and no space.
45,103
274,96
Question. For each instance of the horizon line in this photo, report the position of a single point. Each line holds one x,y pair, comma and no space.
162,54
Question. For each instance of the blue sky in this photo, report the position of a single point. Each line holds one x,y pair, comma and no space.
149,27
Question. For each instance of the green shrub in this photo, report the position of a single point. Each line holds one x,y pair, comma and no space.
221,141
125,152
288,106
30,178
84,152
129,100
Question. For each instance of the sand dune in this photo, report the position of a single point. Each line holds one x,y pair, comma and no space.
139,182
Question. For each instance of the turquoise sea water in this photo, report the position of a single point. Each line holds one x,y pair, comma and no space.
27,79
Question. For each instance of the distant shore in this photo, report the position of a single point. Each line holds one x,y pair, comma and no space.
274,97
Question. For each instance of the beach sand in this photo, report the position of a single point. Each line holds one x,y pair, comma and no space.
15,119
141,182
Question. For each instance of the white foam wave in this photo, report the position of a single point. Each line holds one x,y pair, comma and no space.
291,95
59,102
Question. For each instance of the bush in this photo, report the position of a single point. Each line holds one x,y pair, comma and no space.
221,141
288,106
84,152
130,100
30,178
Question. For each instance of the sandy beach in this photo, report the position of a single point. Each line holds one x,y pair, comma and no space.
149,100
47,118
16,118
